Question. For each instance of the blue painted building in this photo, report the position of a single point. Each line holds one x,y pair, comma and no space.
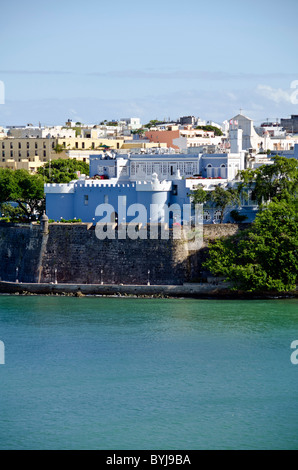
123,187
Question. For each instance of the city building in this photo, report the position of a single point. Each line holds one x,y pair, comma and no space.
182,138
290,124
34,150
150,179
255,143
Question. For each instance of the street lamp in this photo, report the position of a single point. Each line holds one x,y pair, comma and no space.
56,282
17,275
101,273
148,281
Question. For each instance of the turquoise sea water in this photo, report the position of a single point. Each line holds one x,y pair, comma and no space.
122,373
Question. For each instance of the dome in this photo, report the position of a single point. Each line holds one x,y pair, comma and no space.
44,217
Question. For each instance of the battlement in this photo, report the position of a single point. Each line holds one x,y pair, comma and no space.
54,188
69,188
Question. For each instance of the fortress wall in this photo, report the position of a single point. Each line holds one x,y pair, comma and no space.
20,250
71,253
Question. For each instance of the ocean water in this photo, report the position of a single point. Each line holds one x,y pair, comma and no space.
146,374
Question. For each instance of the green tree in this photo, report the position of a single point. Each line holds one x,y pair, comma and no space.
8,185
219,198
277,181
218,132
222,199
11,213
237,217
140,131
63,171
25,189
199,195
263,257
152,123
58,148
30,193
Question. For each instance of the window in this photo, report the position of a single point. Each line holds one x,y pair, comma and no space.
217,215
83,145
188,169
175,190
156,168
106,199
36,145
28,145
209,170
20,145
223,172
206,216
86,200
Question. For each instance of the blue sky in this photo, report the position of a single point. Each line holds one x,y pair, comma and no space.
96,60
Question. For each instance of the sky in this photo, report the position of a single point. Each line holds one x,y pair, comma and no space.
161,59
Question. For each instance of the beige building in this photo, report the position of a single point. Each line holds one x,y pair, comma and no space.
28,154
31,153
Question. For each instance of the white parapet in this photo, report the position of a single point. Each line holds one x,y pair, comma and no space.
154,185
59,188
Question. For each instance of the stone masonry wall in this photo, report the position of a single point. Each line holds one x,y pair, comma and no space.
20,250
73,254
79,256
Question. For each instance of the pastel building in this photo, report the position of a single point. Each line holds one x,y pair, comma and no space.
126,185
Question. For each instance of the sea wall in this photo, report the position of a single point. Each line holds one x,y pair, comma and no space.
71,253
20,250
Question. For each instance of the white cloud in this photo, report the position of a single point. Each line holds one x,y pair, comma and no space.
278,95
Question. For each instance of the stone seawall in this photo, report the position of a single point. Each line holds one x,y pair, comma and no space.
20,249
71,253
79,256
